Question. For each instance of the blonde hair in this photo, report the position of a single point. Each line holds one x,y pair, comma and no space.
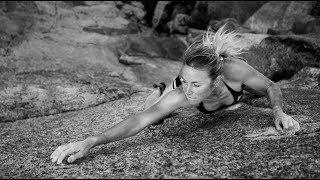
210,49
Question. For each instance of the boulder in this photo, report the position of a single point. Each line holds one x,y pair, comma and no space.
152,59
160,12
306,78
137,4
167,15
133,12
280,57
279,15
131,60
231,24
312,26
131,28
179,24
95,15
200,13
199,17
152,46
239,10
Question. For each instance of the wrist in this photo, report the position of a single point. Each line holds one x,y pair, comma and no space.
277,110
92,141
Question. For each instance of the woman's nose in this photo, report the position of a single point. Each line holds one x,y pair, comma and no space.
189,90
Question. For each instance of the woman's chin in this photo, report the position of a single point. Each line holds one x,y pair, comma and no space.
193,101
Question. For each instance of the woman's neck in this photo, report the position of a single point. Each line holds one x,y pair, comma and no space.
217,91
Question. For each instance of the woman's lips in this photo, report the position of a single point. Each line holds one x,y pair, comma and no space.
190,98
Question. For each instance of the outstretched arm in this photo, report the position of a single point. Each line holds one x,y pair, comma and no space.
124,129
134,125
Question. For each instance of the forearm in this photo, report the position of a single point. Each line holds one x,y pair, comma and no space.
275,97
122,130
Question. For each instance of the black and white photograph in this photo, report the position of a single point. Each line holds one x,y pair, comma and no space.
160,89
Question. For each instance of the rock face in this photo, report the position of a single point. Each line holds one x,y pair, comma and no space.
280,15
69,70
70,59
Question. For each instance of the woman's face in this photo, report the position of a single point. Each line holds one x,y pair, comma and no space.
196,84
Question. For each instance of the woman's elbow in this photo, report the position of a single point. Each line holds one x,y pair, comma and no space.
272,88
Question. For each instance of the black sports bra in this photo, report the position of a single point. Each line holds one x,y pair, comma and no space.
237,95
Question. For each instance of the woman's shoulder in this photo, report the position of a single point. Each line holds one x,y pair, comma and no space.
175,96
236,70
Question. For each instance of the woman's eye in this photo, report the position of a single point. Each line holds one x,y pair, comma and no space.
196,85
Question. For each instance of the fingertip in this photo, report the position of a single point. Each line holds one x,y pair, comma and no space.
54,159
70,159
297,125
59,161
279,129
52,155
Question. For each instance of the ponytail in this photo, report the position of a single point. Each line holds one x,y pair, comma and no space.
225,44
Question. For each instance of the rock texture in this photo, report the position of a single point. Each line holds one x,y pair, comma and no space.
69,70
231,144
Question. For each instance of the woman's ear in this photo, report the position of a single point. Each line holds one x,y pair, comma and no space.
222,56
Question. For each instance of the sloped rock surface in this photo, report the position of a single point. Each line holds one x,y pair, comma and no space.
59,64
45,92
188,145
43,76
